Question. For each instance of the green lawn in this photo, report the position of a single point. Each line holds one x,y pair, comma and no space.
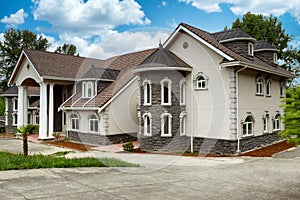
9,161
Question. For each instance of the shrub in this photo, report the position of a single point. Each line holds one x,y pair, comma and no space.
128,147
56,135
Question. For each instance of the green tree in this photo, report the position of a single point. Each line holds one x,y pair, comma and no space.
25,131
11,48
270,29
68,49
2,106
291,119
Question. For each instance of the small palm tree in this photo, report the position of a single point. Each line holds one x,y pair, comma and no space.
25,131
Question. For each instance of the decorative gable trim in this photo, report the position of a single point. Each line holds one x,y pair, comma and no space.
197,38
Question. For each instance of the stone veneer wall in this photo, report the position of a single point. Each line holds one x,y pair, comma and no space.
97,139
206,145
240,47
156,142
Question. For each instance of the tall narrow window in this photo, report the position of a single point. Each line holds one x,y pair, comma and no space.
166,91
282,88
182,123
74,121
248,126
15,119
147,124
268,87
87,89
15,104
259,86
182,91
93,123
275,58
276,123
36,118
147,92
166,124
265,125
250,49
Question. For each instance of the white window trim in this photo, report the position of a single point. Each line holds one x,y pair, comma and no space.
35,117
250,49
182,127
146,125
145,83
15,102
259,81
94,120
85,89
268,85
71,124
169,134
265,125
196,81
276,122
13,119
182,84
247,124
169,82
275,58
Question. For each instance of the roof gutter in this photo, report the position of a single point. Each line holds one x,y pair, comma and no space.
251,66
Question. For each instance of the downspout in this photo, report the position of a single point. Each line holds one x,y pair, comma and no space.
192,109
237,107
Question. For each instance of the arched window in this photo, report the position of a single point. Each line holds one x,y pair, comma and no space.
250,49
15,104
147,117
182,123
87,89
268,87
201,81
74,121
276,122
147,92
166,85
166,125
282,89
259,86
248,126
93,123
182,84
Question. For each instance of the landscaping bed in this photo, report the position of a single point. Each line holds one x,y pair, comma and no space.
71,145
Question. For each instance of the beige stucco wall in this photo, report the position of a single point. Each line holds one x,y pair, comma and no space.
25,73
207,110
250,102
122,111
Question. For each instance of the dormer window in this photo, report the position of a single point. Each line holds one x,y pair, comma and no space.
250,49
275,58
201,82
87,89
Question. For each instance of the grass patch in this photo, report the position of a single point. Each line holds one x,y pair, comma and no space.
62,153
9,161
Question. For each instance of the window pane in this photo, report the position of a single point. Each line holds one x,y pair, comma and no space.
166,93
96,126
148,93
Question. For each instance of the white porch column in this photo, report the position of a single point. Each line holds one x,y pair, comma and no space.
20,106
25,106
43,112
51,111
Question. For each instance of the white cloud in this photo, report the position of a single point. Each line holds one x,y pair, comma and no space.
164,3
240,7
295,43
15,19
1,37
90,18
116,44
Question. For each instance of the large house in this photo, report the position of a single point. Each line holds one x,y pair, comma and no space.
209,92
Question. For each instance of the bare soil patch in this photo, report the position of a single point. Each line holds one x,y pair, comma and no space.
71,145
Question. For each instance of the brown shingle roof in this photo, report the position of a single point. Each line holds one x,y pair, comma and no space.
231,34
259,45
256,61
13,91
124,64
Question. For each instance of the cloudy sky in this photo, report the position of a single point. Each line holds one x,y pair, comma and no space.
103,28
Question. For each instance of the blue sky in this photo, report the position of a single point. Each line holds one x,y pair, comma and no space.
103,28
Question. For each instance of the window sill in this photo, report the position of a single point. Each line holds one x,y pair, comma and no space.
268,96
148,104
199,89
166,135
259,94
247,136
282,96
147,135
166,104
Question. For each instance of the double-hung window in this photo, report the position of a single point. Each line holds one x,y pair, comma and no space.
166,86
